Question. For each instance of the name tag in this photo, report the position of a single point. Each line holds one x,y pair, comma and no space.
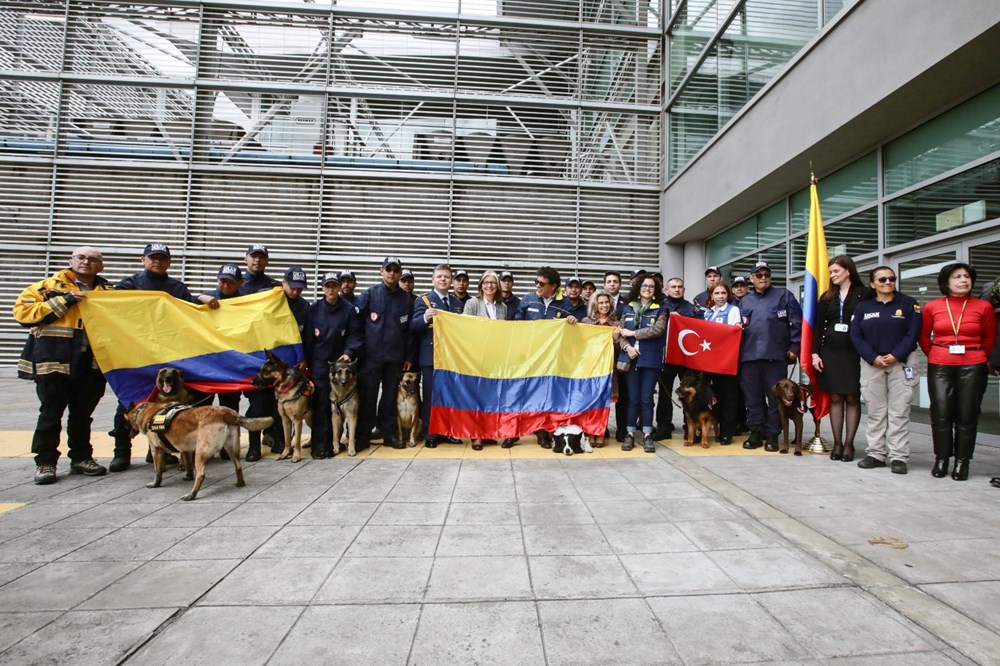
781,314
840,328
956,349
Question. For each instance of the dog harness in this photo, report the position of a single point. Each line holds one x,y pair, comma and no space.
160,423
306,387
339,404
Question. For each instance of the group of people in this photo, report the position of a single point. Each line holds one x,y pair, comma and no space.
864,346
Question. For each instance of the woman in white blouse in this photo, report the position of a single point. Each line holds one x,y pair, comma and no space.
488,304
723,310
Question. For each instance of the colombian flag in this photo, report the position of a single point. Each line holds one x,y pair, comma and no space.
135,333
498,379
817,278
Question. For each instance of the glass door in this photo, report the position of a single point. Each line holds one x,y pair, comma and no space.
985,258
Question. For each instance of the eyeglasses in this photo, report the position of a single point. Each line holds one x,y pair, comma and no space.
85,258
884,279
647,286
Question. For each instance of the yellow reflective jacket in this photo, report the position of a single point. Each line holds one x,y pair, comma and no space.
57,343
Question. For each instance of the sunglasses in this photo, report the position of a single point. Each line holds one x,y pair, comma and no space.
883,279
541,283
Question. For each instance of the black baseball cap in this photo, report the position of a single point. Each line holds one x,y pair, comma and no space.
461,272
295,277
156,248
407,274
332,276
348,274
392,261
257,248
506,275
712,269
230,272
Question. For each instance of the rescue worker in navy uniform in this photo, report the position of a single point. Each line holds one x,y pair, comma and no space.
57,356
547,302
507,293
292,284
334,330
422,324
230,279
406,283
578,304
155,262
262,401
460,282
348,283
385,311
772,332
703,301
673,302
740,288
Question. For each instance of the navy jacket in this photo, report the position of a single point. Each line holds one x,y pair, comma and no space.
385,317
680,306
532,307
256,282
426,329
300,310
512,303
332,331
146,281
886,328
772,325
579,311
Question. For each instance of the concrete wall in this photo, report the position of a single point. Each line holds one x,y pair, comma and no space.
885,67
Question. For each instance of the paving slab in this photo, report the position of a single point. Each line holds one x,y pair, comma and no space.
579,576
478,633
61,585
376,579
351,635
271,582
15,626
162,584
479,578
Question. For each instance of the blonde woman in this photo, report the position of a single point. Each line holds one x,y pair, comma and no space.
488,304
601,312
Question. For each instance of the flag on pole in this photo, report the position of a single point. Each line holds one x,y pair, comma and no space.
134,333
706,346
496,379
817,278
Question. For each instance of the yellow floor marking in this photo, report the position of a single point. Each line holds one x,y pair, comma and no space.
10,506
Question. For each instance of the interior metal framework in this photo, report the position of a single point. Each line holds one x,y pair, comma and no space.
485,133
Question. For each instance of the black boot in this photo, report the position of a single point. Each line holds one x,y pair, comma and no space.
940,468
961,471
253,453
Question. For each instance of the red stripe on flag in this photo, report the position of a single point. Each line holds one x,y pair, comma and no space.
490,425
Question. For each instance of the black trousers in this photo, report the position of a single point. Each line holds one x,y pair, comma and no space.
664,398
956,393
621,407
426,392
263,403
58,393
371,377
727,391
322,412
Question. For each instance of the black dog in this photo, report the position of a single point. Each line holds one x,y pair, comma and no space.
699,407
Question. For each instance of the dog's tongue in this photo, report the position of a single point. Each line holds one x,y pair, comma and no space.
168,387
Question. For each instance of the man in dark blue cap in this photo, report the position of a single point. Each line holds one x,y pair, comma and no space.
255,279
293,283
507,294
348,283
156,260
460,285
334,332
713,278
385,311
577,304
772,333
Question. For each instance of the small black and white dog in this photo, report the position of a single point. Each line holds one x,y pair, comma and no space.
569,439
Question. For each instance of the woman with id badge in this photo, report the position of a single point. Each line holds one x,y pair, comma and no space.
884,331
835,358
957,334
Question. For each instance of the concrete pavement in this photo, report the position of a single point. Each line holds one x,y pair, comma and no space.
662,558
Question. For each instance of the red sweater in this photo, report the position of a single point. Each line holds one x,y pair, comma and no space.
977,331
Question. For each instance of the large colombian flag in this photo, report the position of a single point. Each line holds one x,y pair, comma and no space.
496,379
817,278
134,333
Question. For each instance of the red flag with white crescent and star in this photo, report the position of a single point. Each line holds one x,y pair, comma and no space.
702,345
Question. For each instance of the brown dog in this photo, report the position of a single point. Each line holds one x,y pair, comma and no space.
344,404
408,408
698,400
293,391
170,386
793,401
201,431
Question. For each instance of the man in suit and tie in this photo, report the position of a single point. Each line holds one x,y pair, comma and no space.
425,309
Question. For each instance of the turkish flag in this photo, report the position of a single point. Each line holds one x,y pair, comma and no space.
703,345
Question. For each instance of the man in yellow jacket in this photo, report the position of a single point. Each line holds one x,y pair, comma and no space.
58,358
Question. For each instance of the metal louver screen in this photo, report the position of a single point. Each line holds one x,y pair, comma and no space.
482,133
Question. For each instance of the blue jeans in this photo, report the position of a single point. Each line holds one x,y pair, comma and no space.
641,384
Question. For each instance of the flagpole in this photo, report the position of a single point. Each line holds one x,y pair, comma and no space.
816,281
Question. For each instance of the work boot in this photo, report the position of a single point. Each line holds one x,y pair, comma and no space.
253,453
870,463
772,443
754,440
87,467
119,464
45,474
629,442
648,444
898,467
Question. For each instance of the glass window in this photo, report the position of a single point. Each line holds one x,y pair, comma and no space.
732,243
966,133
840,192
772,224
853,236
963,199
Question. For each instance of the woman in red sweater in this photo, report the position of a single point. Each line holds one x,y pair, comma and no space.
957,334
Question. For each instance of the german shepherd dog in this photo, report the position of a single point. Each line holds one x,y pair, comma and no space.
198,431
344,404
699,402
171,389
408,408
293,390
793,401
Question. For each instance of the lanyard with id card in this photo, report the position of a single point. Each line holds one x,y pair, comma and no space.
956,348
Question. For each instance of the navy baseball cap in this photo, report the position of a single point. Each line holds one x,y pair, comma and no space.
407,273
636,273
574,279
506,275
348,274
712,269
461,272
391,261
257,248
230,272
156,248
739,279
760,265
295,277
332,276
590,282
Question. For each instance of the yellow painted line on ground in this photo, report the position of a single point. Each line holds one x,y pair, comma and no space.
10,506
